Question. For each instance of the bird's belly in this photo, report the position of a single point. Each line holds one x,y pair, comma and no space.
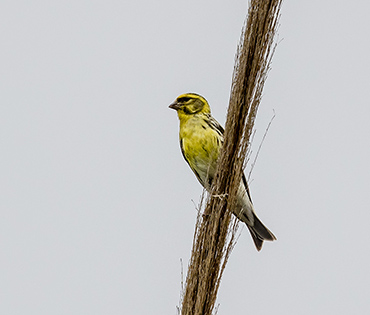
202,157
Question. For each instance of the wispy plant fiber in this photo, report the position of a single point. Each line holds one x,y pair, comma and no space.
216,229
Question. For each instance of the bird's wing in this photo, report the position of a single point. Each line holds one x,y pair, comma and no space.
246,187
213,123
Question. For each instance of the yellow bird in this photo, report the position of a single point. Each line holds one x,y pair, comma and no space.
201,138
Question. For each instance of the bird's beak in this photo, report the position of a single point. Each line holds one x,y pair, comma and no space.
175,105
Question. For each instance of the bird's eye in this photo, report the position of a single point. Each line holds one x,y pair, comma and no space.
183,99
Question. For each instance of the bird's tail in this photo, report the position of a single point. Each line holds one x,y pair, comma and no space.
260,232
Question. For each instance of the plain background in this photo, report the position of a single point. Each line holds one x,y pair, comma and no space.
97,204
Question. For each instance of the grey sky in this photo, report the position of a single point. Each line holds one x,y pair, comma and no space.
96,205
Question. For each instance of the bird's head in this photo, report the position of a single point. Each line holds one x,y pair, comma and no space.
190,104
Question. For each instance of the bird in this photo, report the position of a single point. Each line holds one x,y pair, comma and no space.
201,139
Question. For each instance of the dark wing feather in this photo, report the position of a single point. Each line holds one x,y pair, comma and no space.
213,123
246,187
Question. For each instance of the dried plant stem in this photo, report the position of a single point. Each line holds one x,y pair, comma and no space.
216,229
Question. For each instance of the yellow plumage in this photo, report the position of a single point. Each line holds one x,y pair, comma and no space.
201,138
